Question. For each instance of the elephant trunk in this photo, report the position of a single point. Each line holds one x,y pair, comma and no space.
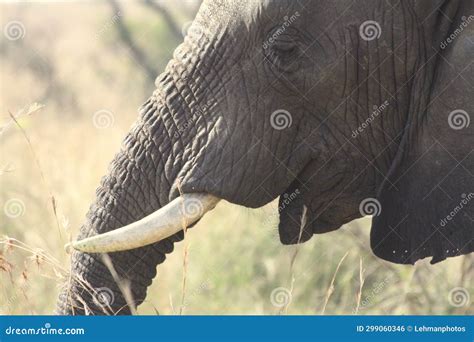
138,183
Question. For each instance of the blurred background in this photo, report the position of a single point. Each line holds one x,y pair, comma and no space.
72,76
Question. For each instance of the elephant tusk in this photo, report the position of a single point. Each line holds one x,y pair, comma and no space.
166,221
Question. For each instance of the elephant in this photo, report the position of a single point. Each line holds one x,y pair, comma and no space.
341,109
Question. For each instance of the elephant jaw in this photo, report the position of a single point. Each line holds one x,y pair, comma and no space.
166,221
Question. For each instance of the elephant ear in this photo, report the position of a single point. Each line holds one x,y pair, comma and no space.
427,199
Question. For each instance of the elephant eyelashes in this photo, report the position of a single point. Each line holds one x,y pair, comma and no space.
285,48
283,57
282,51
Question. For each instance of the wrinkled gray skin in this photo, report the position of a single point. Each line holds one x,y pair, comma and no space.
208,124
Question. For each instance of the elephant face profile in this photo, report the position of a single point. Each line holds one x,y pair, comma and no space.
339,108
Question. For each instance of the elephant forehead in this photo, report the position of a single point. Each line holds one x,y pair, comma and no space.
222,10
246,11
238,18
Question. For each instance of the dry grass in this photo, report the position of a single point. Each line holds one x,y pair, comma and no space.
330,289
229,263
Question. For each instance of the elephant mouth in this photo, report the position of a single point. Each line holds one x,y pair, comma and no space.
302,215
297,223
188,201
182,212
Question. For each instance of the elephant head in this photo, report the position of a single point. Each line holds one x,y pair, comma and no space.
340,108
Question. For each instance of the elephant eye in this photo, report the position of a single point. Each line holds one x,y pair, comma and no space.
284,46
282,52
